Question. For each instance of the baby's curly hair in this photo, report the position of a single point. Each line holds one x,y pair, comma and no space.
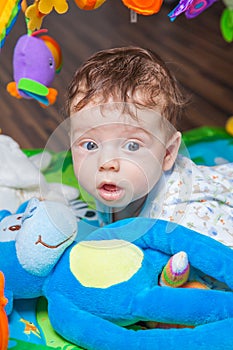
127,74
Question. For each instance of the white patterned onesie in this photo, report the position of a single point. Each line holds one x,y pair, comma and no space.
198,197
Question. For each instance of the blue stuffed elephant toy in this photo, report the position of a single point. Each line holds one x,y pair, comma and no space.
97,286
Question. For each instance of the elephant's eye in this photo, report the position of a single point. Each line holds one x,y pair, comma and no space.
15,227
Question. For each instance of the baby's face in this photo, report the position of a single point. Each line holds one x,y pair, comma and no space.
117,159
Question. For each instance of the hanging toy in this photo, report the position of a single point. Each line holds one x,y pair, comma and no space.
229,126
226,21
4,331
35,62
191,8
36,12
55,49
89,4
144,7
9,10
46,6
34,17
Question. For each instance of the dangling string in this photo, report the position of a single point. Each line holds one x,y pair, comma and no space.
133,16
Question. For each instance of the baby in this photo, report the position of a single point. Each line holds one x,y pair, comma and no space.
124,106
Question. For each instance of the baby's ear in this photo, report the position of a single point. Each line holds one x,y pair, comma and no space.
172,149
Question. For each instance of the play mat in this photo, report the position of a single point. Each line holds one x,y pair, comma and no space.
30,327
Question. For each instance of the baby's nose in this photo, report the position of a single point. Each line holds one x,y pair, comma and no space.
110,165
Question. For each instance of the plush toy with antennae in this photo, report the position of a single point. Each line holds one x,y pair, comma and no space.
35,62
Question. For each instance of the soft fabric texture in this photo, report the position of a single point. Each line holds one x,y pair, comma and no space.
33,76
176,272
92,316
21,177
30,245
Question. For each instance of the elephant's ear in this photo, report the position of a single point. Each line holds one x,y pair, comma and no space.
4,213
30,209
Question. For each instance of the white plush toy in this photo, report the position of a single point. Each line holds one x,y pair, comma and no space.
21,177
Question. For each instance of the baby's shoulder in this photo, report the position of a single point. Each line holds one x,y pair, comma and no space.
186,165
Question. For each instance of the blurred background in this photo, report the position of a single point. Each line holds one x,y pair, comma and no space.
194,50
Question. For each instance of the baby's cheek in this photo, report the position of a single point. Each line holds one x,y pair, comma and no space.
139,179
85,172
78,164
148,177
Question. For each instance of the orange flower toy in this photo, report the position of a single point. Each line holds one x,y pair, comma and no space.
4,332
144,7
89,4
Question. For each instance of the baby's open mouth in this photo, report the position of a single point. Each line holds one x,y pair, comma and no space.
110,192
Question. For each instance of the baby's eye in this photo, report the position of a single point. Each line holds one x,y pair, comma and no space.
90,145
132,146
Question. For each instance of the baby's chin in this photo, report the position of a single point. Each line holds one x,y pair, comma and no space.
129,203
115,205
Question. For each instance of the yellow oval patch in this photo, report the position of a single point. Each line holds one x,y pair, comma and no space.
101,264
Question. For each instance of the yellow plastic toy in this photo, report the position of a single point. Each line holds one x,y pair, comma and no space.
4,331
229,125
89,4
144,7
